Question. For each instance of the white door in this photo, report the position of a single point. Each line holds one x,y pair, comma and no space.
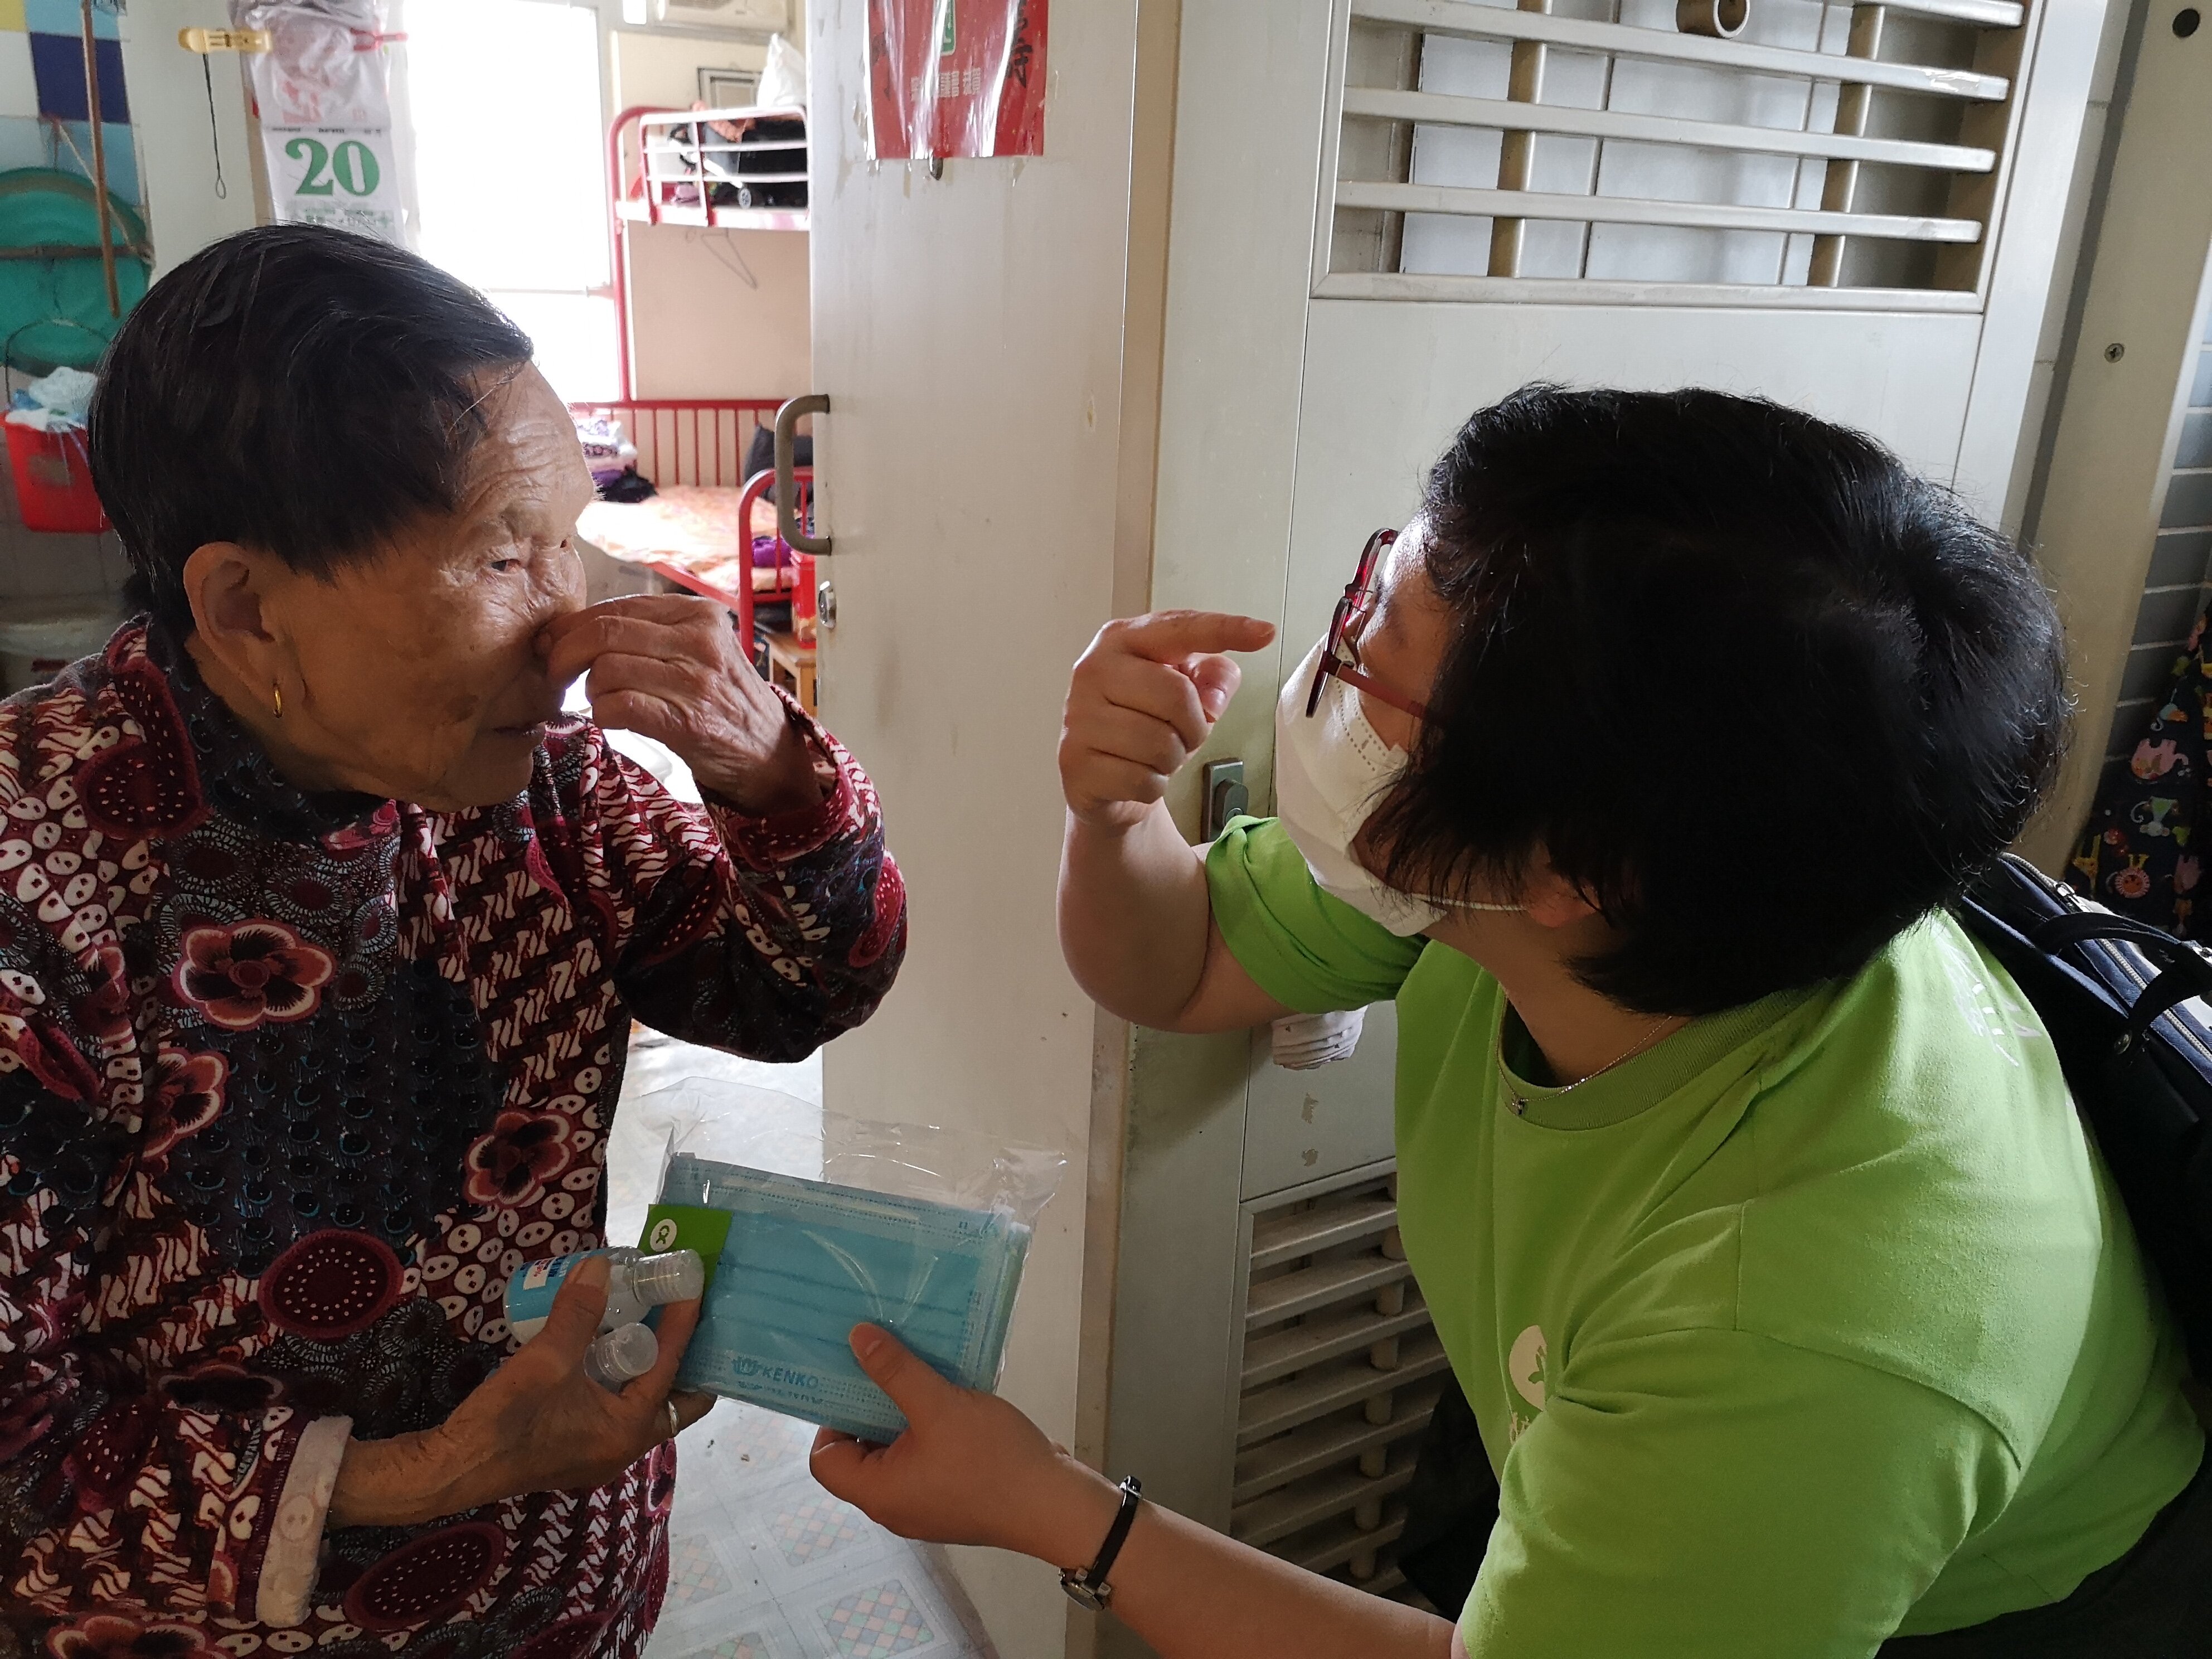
1855,209
969,332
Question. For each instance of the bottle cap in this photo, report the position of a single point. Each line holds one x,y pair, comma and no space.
671,1276
625,1351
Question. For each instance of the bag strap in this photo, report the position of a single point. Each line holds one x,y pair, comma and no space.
2173,988
2078,926
2185,971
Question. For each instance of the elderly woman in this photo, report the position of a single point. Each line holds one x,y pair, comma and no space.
321,931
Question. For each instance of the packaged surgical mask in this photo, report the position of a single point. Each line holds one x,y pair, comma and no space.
922,1230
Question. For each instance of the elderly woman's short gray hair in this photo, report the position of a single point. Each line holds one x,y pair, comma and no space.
294,388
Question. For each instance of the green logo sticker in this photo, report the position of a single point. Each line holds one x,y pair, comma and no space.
687,1227
948,31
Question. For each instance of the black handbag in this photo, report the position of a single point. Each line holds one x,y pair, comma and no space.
2118,997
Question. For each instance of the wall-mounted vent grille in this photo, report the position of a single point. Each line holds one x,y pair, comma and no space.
1341,1372
1828,155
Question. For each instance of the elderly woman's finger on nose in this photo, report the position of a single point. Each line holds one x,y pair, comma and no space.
639,617
573,643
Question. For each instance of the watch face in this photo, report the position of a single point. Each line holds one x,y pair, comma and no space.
1080,1592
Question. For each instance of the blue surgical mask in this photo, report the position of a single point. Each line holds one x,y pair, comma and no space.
803,1261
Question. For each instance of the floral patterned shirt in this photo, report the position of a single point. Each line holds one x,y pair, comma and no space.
289,1085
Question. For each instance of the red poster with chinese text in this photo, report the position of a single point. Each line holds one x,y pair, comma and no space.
957,77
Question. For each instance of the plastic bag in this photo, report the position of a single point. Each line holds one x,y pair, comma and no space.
1306,1043
58,403
607,449
812,1222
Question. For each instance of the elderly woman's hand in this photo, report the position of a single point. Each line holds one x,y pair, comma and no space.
670,666
537,1424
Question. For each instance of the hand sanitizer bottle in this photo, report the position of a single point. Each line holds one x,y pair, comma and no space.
635,1285
616,1356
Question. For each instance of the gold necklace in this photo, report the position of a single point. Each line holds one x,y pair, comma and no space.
1518,1103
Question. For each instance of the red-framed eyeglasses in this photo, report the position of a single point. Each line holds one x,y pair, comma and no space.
1339,656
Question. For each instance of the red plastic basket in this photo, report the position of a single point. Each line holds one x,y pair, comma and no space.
53,485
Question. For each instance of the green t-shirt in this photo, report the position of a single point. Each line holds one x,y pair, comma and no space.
1816,1323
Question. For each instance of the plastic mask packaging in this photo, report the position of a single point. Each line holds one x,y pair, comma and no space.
812,1222
798,1263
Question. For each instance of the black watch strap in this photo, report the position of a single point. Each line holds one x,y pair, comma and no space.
1087,1587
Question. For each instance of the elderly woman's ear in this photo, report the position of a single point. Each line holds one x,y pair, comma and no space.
238,638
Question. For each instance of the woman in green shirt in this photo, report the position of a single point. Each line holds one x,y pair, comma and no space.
1797,1313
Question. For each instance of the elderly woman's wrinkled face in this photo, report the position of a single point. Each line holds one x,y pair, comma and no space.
416,674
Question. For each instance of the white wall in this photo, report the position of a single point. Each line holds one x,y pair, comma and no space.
718,313
663,69
2121,413
169,107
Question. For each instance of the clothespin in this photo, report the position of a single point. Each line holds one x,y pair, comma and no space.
204,41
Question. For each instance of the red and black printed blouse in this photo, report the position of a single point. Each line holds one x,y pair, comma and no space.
289,1085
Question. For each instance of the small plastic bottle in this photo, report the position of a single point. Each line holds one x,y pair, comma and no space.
616,1356
635,1285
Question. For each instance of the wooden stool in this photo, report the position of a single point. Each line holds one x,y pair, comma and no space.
791,664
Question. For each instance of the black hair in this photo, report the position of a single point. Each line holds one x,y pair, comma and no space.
1764,697
296,389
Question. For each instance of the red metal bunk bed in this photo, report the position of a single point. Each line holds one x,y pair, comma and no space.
697,531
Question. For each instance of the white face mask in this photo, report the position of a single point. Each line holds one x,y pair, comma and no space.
1331,773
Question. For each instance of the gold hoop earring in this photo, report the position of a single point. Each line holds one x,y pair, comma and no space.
277,701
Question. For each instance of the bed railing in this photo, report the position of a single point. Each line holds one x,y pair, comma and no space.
689,441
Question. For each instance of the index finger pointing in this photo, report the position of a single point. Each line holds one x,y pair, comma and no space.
1171,635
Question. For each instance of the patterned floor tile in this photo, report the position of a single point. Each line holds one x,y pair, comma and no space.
751,1646
745,1440
818,1526
876,1623
693,1571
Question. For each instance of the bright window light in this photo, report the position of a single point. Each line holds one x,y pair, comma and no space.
510,171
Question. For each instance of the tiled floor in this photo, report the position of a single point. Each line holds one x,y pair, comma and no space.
765,1564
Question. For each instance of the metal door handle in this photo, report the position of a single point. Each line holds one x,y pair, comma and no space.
787,487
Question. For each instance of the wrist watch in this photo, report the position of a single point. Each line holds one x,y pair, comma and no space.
1086,1586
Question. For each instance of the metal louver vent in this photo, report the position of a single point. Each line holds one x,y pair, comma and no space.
1339,1375
1831,154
